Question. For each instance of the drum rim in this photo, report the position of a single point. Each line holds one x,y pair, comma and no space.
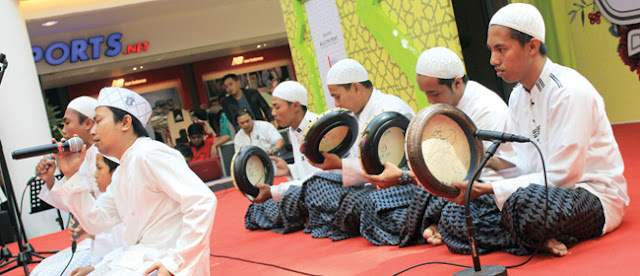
310,150
414,152
370,159
246,154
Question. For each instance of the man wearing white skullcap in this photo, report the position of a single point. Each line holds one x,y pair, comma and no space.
349,85
77,120
564,114
168,211
441,76
289,100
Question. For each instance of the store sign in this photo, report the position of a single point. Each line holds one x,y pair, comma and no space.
239,60
85,49
122,83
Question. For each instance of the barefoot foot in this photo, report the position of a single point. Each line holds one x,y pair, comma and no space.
555,247
432,235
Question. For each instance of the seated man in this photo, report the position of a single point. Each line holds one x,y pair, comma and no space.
440,75
562,112
289,110
203,148
334,199
167,210
256,133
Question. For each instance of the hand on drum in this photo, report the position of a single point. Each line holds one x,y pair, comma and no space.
477,190
388,178
331,162
281,166
265,193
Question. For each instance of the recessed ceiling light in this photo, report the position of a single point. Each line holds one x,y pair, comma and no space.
141,66
49,23
258,46
135,68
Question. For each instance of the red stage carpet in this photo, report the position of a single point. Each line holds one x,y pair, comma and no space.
613,254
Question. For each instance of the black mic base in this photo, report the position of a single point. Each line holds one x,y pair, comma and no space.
485,270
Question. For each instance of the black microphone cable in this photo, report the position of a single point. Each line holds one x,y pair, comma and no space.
261,263
540,244
74,244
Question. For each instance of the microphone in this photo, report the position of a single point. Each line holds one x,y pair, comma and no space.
74,243
74,145
2,56
489,135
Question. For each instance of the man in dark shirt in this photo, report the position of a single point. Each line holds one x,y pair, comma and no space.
240,99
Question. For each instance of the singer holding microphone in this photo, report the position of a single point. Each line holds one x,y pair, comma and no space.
167,210
77,120
564,114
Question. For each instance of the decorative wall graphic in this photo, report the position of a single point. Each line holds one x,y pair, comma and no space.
625,24
388,48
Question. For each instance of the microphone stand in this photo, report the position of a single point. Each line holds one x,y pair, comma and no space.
477,269
26,250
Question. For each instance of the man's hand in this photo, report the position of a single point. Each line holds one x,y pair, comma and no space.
82,271
388,178
477,190
264,194
70,162
281,166
331,162
162,271
46,167
77,231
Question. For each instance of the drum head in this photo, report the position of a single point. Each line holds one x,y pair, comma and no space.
382,141
441,148
249,167
334,131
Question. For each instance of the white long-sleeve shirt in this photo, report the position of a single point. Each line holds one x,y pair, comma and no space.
264,135
167,210
352,173
301,169
488,112
566,117
86,171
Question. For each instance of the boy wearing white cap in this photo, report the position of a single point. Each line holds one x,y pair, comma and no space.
561,111
441,76
167,209
77,120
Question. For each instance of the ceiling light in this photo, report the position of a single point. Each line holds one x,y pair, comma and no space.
141,66
135,68
49,23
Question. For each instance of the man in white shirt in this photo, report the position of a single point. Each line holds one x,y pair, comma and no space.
441,76
334,199
77,120
562,112
289,110
167,210
256,133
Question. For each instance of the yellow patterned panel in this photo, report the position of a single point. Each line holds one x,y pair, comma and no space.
428,23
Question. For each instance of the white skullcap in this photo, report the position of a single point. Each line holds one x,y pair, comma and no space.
347,71
521,17
84,105
291,91
441,63
127,100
